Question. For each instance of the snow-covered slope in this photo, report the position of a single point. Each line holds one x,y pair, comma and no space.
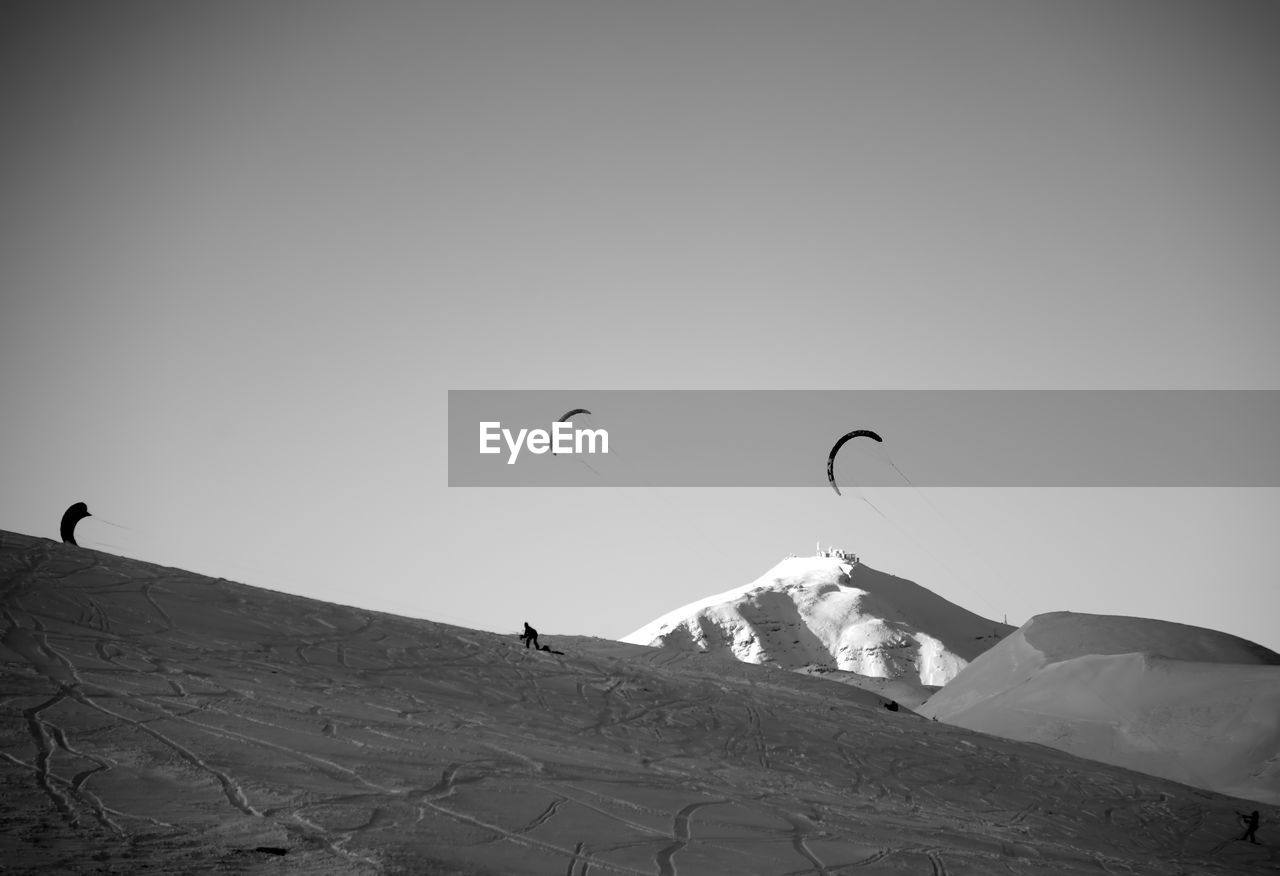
154,721
1190,704
827,613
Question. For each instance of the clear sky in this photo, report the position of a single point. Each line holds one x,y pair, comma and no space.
247,249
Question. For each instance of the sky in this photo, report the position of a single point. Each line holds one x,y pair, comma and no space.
246,251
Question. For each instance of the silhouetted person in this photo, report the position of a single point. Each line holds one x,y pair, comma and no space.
891,706
530,635
1250,826
70,518
547,648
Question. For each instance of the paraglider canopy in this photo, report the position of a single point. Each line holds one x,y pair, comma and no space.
70,518
831,457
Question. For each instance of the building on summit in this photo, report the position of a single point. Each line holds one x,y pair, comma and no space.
836,553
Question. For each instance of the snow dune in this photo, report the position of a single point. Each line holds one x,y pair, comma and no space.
1185,703
156,721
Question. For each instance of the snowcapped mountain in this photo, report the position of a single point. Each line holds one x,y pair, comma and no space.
830,613
1167,699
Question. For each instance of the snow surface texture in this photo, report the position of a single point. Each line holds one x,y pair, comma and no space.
823,614
1189,704
156,721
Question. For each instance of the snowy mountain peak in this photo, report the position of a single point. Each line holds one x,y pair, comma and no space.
831,612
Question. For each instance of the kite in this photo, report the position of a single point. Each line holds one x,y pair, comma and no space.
567,416
70,518
831,458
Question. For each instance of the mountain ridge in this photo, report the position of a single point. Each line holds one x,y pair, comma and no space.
1187,703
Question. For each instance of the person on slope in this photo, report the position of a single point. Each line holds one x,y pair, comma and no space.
1250,826
530,635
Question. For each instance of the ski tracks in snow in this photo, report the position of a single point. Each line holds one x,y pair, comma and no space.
681,833
355,733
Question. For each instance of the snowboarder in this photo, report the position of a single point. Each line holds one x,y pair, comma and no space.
530,635
1251,827
547,648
